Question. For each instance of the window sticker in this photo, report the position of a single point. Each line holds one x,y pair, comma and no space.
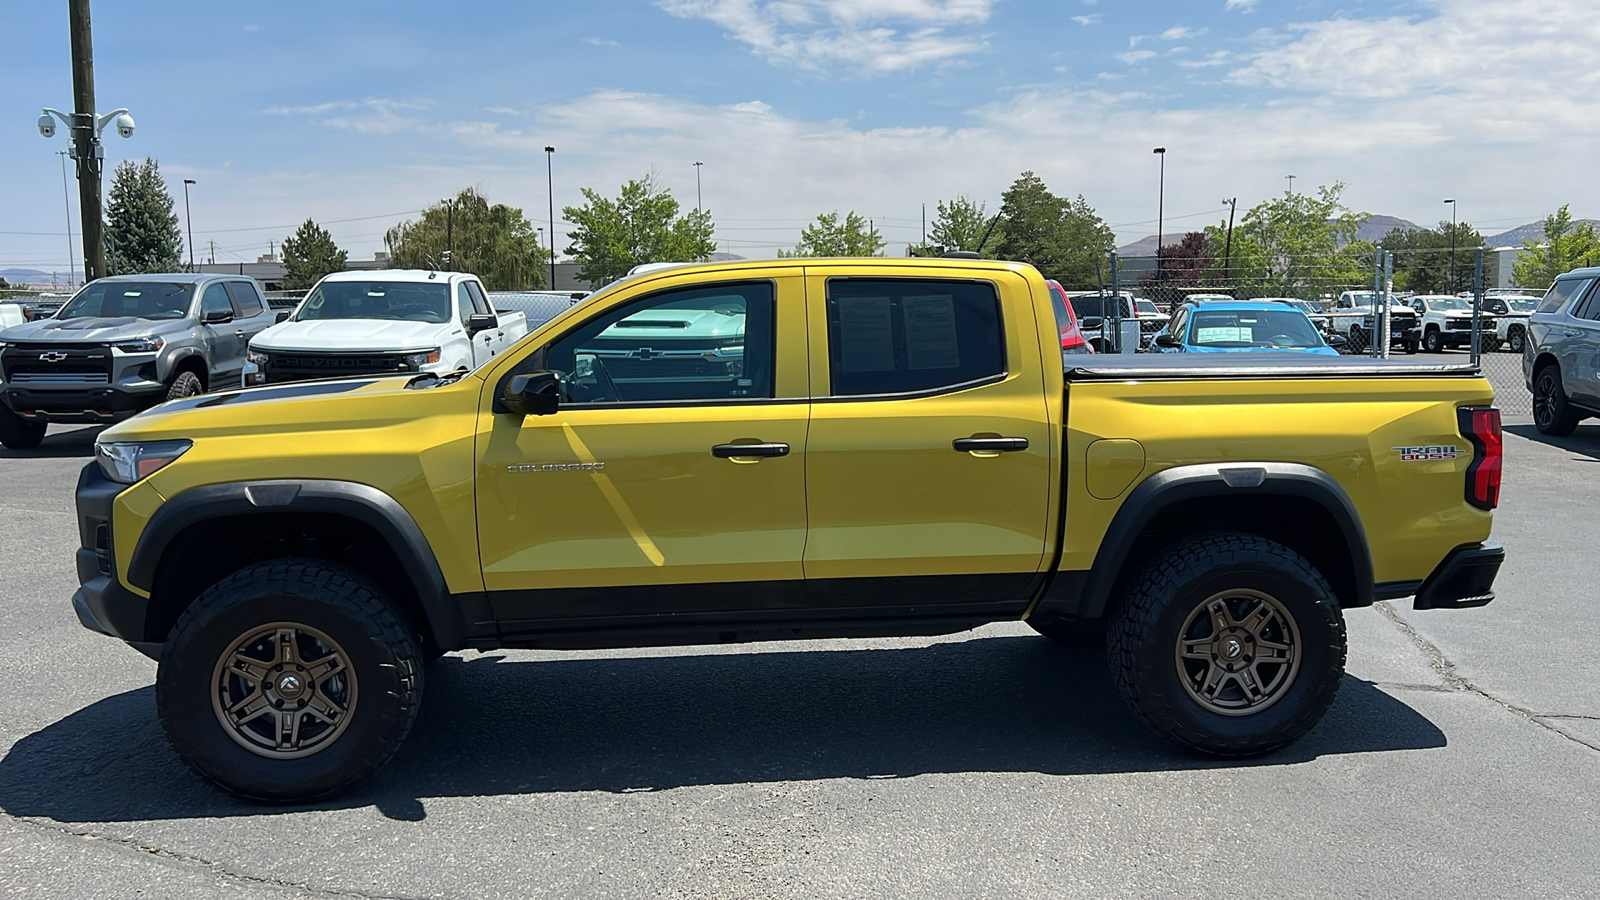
866,336
931,332
1223,335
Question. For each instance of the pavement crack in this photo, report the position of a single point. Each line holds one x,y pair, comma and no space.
1455,681
219,870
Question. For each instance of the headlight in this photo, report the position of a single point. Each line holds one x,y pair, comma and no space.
257,357
140,345
415,361
127,463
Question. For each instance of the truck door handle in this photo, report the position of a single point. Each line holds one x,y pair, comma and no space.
1572,333
239,333
729,451
989,444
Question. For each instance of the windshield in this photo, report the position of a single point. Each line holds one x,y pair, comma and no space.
1253,328
397,300
1094,305
1309,306
110,298
1147,306
1446,303
1524,304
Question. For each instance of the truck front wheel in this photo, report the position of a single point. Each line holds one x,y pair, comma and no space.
1229,645
184,384
16,433
289,682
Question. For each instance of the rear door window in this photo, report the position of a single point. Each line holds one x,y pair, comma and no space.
1561,292
900,336
246,301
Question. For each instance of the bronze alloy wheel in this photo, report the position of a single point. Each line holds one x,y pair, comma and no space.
284,691
1238,652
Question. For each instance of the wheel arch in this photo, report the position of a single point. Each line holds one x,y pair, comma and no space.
226,526
1308,511
191,360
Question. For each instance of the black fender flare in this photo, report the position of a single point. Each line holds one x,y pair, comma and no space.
1163,489
176,361
361,502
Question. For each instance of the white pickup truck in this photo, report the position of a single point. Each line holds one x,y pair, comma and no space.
1447,323
387,322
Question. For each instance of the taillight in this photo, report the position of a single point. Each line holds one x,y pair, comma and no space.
1481,426
1073,341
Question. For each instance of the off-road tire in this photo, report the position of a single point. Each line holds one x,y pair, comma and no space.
1433,341
185,384
1072,633
1552,414
1516,340
337,602
17,433
1143,636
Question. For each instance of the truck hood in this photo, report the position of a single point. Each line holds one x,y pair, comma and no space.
91,329
353,335
269,413
679,324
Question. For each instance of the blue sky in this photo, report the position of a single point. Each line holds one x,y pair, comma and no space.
359,114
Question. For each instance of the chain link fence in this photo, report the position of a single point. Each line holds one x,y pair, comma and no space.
1349,311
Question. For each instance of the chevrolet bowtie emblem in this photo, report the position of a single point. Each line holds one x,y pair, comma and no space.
54,356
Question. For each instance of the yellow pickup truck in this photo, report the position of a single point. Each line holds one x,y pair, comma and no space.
773,451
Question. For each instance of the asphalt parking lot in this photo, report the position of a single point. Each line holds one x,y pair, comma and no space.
1461,759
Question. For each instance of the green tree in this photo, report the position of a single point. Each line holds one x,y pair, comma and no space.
309,254
1566,246
642,225
1422,257
1065,239
141,230
828,236
1297,245
469,234
961,224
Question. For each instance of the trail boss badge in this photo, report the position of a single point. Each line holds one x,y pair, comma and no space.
1423,454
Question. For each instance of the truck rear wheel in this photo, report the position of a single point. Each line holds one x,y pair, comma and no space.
289,682
1552,414
1229,645
17,433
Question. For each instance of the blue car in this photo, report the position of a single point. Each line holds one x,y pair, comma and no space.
1231,326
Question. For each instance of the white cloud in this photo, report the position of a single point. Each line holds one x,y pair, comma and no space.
1241,5
373,115
601,42
878,36
1088,20
1134,56
1180,32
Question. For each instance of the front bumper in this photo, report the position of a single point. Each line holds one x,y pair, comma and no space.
1465,579
92,405
103,603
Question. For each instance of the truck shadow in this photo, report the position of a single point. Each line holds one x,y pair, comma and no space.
492,727
60,442
1584,442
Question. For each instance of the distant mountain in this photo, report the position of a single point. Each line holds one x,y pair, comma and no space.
1146,246
1378,226
1533,231
723,256
22,276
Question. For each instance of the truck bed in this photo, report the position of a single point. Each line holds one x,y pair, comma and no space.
1162,366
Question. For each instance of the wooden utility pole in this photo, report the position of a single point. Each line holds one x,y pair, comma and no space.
86,149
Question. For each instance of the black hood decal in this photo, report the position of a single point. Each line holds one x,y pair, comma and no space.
286,392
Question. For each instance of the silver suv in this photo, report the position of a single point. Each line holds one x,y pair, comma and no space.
123,344
1562,355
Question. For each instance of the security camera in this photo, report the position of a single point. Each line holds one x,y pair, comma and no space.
47,126
124,126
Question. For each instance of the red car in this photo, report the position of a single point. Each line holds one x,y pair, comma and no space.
1067,321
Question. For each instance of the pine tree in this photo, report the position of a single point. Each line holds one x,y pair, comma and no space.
141,229
309,254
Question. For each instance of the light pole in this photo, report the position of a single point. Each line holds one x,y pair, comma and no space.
188,219
1452,202
1291,183
1227,249
697,185
66,198
549,180
1161,207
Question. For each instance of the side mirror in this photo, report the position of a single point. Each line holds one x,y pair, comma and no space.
1337,340
1168,340
1093,322
281,317
216,317
482,322
533,394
